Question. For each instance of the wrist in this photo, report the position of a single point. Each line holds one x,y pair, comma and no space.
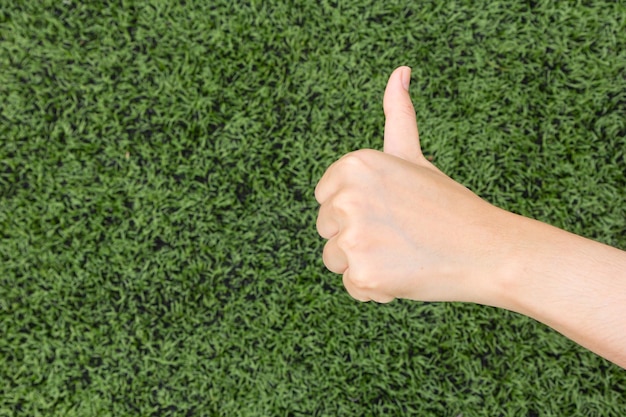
519,245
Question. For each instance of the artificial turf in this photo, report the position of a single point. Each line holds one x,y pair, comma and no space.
158,252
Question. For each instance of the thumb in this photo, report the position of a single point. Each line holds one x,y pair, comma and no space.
401,135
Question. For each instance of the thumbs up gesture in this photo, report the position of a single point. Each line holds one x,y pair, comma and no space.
397,227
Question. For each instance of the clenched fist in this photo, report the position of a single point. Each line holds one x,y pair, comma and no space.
397,227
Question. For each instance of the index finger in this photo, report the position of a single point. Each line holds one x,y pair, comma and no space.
329,184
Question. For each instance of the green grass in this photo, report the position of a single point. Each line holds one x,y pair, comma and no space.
158,252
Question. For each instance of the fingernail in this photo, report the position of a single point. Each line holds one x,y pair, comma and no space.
406,78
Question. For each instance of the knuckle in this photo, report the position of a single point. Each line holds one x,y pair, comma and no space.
357,160
363,281
353,290
348,241
353,158
400,111
407,110
349,169
346,203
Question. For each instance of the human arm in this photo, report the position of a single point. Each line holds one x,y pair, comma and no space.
397,227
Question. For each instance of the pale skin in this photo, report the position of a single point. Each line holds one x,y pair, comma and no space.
397,227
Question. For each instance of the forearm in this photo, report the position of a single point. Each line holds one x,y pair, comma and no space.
575,285
397,227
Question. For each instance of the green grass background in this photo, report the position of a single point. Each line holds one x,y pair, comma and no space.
158,252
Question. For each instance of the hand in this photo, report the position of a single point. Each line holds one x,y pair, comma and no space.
397,227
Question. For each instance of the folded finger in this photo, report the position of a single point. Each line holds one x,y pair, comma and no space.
352,289
334,258
328,185
327,224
